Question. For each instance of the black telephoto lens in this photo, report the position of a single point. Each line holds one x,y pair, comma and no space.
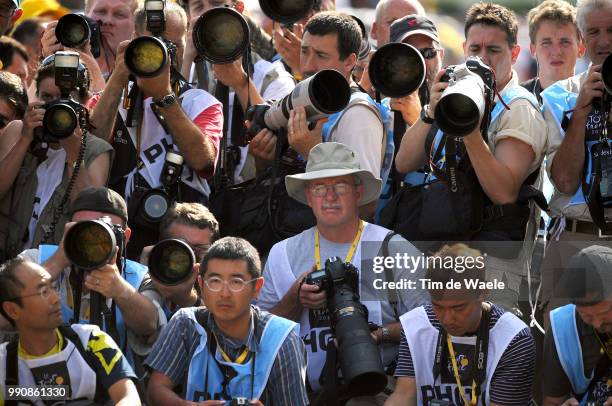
221,35
72,31
286,11
90,244
397,69
171,262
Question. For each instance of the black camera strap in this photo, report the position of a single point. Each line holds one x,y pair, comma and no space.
479,365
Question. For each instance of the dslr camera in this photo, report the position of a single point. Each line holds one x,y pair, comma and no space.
64,114
75,30
237,401
468,97
91,244
147,56
359,357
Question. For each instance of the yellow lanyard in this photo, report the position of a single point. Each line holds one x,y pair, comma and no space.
241,358
350,253
456,373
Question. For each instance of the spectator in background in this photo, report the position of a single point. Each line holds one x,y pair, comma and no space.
555,43
387,11
9,13
14,58
29,33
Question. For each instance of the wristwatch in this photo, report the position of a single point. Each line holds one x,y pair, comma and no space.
167,100
424,117
386,335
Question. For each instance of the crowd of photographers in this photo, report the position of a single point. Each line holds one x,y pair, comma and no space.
193,205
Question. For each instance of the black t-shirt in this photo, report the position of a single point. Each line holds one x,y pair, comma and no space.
534,87
556,383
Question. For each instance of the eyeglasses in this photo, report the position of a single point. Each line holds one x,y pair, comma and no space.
200,250
215,284
429,53
340,189
44,292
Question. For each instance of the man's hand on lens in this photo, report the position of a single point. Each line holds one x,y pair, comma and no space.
300,137
231,74
263,145
108,281
32,119
289,45
49,42
437,89
72,145
59,256
157,86
311,296
121,71
591,88
409,106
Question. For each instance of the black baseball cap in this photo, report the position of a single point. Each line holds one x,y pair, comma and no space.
100,199
413,24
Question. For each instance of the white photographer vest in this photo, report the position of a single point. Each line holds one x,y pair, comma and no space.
422,339
318,338
155,142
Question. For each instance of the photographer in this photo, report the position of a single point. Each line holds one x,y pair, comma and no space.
577,351
193,123
335,202
38,177
264,81
332,41
452,329
14,58
119,285
580,203
389,11
263,351
9,13
494,169
85,360
13,99
555,42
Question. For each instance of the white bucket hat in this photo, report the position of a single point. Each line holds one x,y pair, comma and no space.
330,159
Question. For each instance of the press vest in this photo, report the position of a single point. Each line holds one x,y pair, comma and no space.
569,348
82,377
383,112
154,144
422,338
558,100
317,339
134,274
202,364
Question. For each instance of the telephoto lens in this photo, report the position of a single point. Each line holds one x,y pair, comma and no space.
91,244
171,262
60,120
146,56
72,31
397,69
221,35
286,11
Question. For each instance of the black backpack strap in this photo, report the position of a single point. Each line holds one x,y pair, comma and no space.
391,293
12,371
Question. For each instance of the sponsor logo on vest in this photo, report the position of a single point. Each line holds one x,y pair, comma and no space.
318,341
447,392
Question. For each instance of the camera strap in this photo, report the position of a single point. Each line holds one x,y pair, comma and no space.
479,364
391,293
349,254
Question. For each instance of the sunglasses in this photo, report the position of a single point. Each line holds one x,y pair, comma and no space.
428,53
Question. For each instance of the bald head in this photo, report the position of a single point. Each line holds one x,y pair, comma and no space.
388,11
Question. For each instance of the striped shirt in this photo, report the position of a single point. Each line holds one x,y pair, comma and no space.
511,382
178,341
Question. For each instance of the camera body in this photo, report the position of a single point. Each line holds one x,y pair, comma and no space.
468,97
64,114
358,355
91,244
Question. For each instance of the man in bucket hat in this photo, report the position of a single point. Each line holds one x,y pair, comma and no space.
335,188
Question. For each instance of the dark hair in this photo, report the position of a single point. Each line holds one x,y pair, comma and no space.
27,32
493,15
345,27
83,80
12,90
234,248
189,214
10,285
458,263
8,47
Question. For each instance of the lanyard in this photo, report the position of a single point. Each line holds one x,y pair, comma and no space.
606,346
349,254
239,360
458,379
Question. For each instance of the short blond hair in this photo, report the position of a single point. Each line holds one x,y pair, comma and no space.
556,11
90,3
